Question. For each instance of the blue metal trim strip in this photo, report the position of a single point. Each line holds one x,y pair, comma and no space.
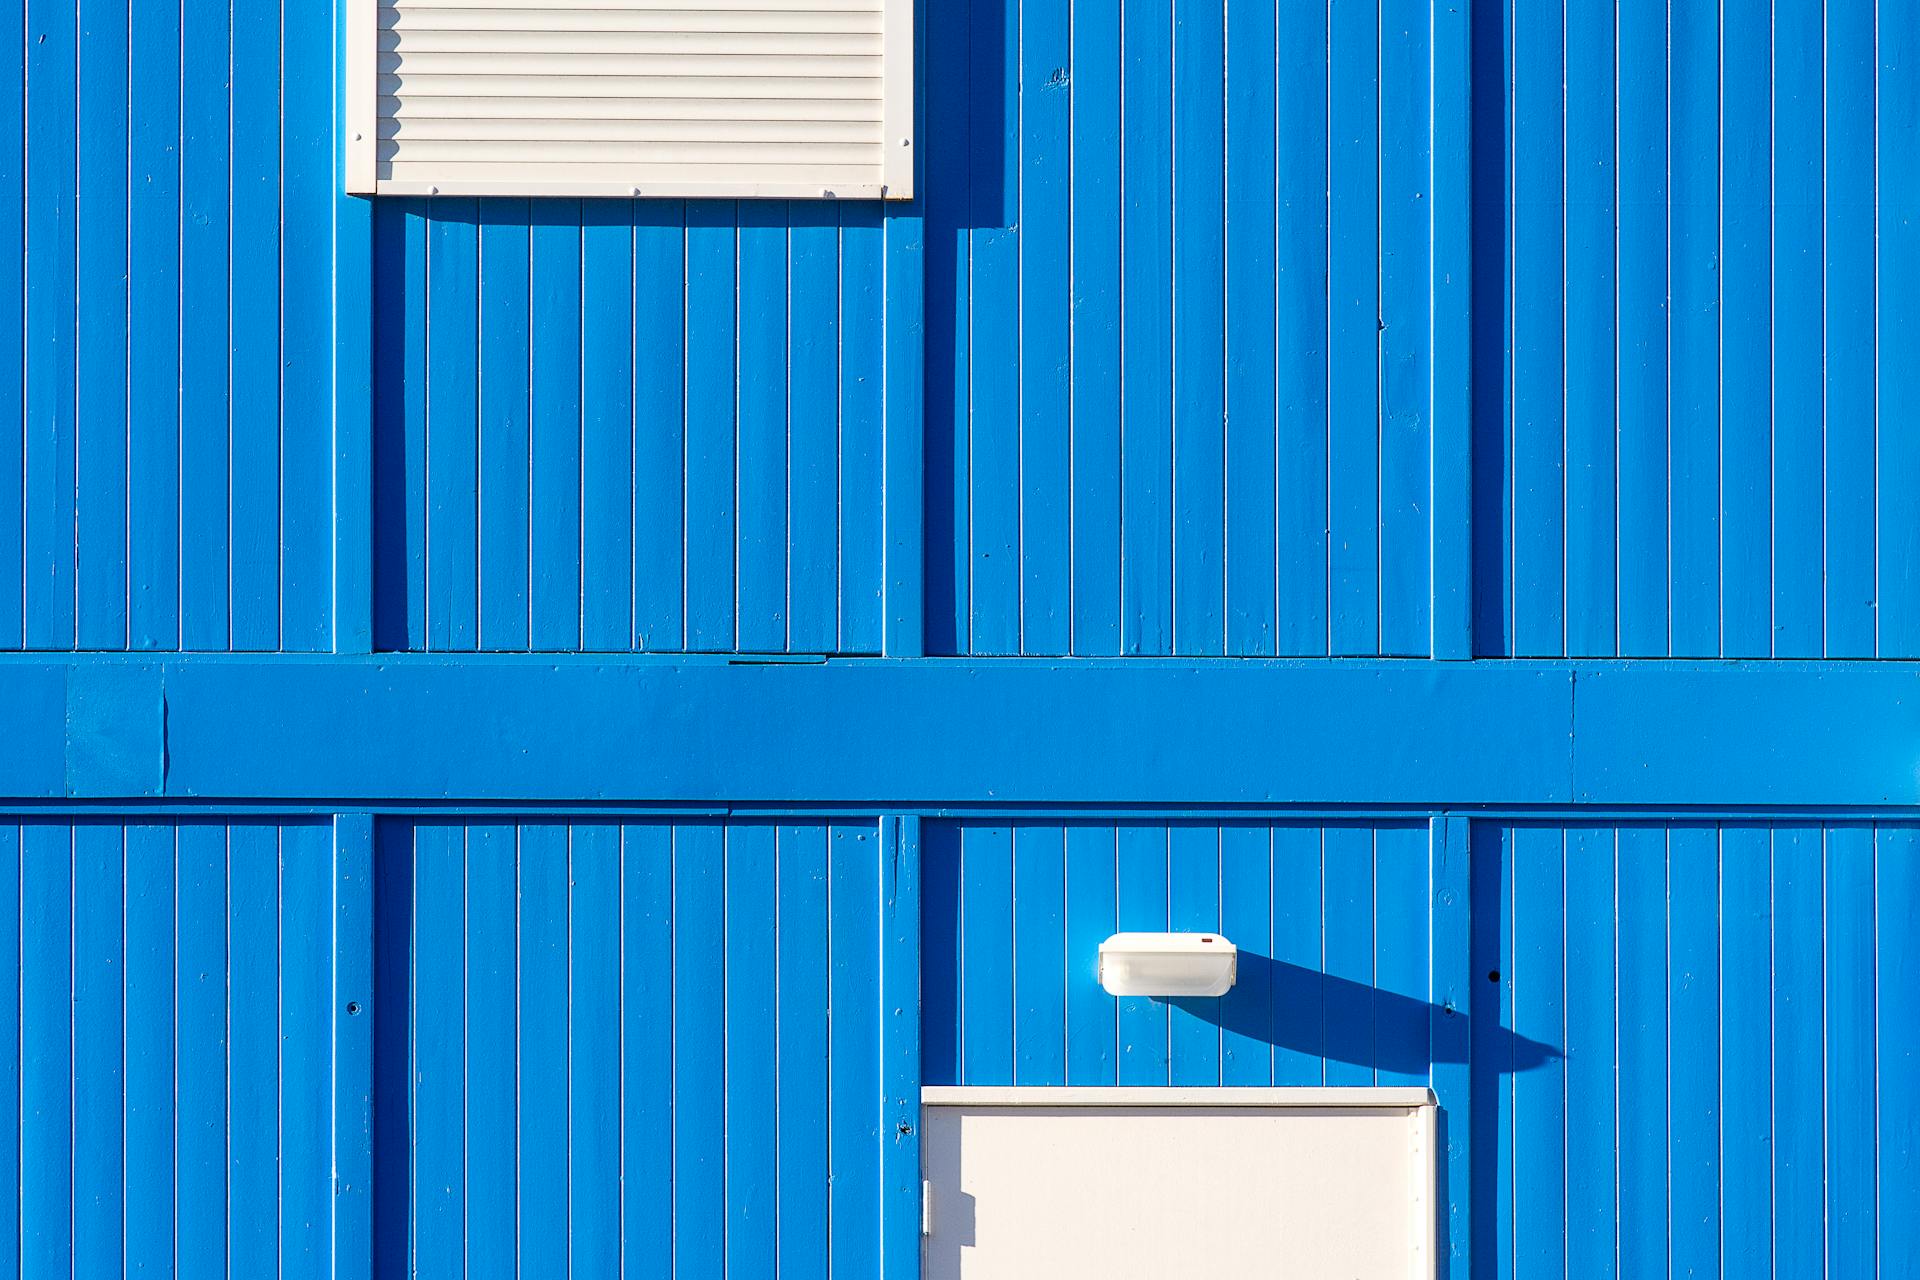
935,732
854,732
115,726
353,1020
905,553
1450,547
353,311
242,809
1777,733
353,308
900,1048
903,474
1451,978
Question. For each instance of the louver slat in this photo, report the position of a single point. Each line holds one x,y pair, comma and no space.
760,45
656,131
409,17
741,98
483,112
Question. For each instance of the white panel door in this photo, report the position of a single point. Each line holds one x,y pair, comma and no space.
1164,1184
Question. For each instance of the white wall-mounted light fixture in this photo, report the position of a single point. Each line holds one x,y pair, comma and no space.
1167,964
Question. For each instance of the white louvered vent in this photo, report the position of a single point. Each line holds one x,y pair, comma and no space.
734,98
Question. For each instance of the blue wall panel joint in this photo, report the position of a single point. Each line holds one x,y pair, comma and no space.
352,1035
900,1047
353,363
902,733
115,717
904,556
933,732
33,707
1450,332
903,474
1450,981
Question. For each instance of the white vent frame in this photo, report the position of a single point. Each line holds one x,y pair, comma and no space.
889,176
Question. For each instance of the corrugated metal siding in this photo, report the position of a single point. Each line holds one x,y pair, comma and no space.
166,1048
166,337
1178,328
1737,1030
617,425
1331,922
1687,1043
1179,344
651,1049
1697,229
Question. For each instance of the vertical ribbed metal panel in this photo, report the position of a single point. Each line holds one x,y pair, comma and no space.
165,339
1697,240
619,426
1181,353
1737,1027
643,1049
1331,922
1690,1044
1178,328
167,1041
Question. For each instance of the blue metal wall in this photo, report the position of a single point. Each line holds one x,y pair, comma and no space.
1688,1041
1695,242
618,426
165,1071
1335,984
643,1048
168,171
1180,378
1734,1021
1179,328
1355,951
636,687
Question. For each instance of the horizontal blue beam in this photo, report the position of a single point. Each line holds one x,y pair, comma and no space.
930,733
1815,733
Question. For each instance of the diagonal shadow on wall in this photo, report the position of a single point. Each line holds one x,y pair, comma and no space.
1293,1007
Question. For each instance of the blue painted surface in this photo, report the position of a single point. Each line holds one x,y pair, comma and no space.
1682,1026
1334,988
587,1005
533,727
170,1049
1723,1028
1351,968
169,330
1181,391
1693,249
622,426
